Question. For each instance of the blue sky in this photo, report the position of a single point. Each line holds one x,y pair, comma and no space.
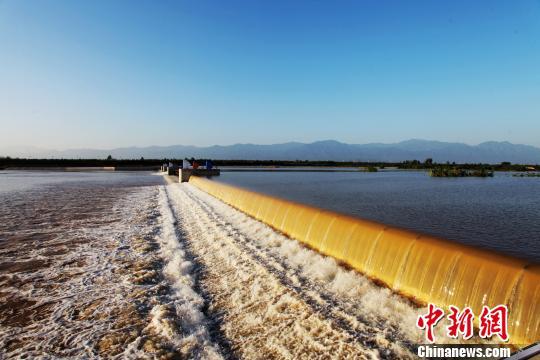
118,73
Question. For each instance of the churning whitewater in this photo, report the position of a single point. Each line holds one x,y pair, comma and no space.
168,271
270,297
108,278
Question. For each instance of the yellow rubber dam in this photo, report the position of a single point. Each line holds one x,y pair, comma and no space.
421,267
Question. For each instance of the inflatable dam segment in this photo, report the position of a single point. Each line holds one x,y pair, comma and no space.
421,267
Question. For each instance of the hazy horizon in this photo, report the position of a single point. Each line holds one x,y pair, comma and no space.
487,152
3,148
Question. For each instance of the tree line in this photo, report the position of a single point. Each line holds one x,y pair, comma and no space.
7,162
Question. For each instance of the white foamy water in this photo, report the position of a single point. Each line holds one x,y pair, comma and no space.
97,272
186,328
171,272
80,301
265,286
278,297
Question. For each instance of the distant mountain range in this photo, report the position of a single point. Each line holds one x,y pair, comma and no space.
487,152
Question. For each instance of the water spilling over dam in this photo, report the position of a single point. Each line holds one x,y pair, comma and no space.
423,268
152,270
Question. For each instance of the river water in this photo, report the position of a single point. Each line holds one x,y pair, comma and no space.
124,265
500,213
81,267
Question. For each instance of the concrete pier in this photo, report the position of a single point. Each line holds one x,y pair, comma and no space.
185,174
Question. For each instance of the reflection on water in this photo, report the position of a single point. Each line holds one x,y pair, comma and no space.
500,213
